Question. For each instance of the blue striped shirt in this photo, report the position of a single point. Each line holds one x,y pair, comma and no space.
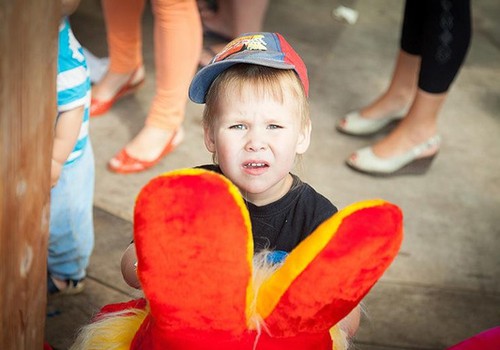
73,83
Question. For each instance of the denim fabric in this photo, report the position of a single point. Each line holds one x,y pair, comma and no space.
71,238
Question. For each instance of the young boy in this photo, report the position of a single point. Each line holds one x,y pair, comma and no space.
256,122
71,236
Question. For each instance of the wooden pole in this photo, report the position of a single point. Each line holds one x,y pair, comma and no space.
28,61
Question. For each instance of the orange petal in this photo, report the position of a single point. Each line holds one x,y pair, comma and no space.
329,273
194,246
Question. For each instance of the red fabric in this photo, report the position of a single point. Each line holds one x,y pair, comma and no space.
195,340
46,346
487,340
293,58
355,258
204,253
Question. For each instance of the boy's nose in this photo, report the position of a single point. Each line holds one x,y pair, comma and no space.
256,142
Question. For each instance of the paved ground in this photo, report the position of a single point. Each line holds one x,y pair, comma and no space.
445,284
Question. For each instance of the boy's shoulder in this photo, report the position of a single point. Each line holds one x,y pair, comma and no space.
308,196
70,53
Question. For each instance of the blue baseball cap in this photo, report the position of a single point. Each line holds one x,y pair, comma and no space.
261,48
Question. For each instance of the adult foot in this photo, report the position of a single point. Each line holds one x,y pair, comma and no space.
209,52
149,143
402,139
409,149
386,105
112,88
416,160
216,22
142,152
112,82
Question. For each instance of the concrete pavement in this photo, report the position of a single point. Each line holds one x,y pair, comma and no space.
444,285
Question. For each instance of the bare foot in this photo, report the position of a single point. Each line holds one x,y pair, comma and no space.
402,139
113,82
60,284
149,143
386,105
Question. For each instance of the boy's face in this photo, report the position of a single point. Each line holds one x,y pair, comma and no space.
256,140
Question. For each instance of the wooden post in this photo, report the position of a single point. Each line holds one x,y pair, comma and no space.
28,61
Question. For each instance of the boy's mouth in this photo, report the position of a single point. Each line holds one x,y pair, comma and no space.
255,165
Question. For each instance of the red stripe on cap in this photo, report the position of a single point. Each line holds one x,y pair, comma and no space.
293,58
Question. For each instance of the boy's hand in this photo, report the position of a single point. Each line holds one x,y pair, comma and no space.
55,172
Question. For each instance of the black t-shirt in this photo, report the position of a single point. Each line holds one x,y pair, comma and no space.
283,224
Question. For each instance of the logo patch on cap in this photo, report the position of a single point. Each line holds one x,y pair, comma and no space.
261,49
244,43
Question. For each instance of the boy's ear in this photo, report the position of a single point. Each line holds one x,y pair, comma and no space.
208,137
304,139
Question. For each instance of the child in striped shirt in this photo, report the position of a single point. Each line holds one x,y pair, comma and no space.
71,230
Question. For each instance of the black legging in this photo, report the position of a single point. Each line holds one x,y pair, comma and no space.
440,32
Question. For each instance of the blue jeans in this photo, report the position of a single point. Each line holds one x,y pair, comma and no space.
71,232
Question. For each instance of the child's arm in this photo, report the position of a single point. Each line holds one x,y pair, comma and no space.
129,267
66,134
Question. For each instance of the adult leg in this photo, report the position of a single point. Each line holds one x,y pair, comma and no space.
220,20
234,17
248,15
419,125
401,89
390,105
447,29
124,36
178,38
403,84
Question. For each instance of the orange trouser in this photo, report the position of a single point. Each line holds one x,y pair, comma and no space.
177,44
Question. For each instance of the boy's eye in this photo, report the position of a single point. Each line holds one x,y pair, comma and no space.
237,126
274,126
